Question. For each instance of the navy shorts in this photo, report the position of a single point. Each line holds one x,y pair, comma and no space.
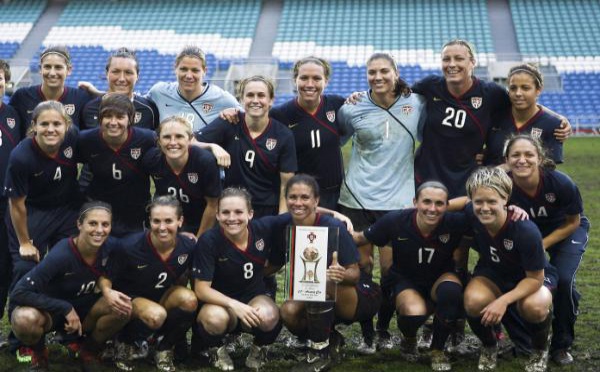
82,308
361,218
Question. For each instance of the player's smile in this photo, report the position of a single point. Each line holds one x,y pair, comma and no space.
381,76
490,208
190,75
523,91
523,159
174,140
431,205
457,64
257,100
50,130
233,215
54,71
164,224
122,75
95,227
114,126
301,202
310,83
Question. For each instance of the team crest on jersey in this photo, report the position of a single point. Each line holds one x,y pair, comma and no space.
444,238
407,109
182,258
135,153
550,197
70,109
206,107
508,244
193,177
476,102
271,143
260,245
330,115
536,133
68,152
138,117
11,122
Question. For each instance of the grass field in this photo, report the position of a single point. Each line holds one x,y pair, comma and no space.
582,163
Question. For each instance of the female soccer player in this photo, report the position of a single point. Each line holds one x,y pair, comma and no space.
525,84
510,270
228,271
59,293
190,96
122,71
55,66
148,272
423,271
263,156
10,136
186,172
555,206
114,152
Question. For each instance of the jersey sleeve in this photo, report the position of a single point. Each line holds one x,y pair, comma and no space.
500,99
210,174
151,160
287,158
17,100
570,196
531,249
205,257
17,176
345,114
380,232
348,252
215,132
30,290
422,86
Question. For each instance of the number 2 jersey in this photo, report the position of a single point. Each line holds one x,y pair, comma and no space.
455,130
137,269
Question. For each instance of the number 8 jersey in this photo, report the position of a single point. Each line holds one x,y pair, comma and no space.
455,130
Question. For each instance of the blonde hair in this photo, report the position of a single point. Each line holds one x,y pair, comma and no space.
492,178
48,106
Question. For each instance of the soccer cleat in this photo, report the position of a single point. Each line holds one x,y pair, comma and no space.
24,354
439,361
316,361
219,358
488,358
336,345
408,349
538,361
366,347
73,349
562,357
164,360
140,350
39,360
3,341
257,357
384,340
123,356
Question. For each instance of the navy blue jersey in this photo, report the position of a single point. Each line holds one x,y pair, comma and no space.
61,278
198,179
540,126
317,138
233,271
515,249
556,197
414,255
10,136
455,130
118,177
255,162
347,250
46,181
25,99
136,268
146,113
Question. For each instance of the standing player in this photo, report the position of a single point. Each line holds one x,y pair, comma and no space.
41,186
525,83
380,173
555,206
10,135
228,272
55,66
190,96
424,267
122,71
114,152
262,150
510,270
460,109
150,269
186,172
59,293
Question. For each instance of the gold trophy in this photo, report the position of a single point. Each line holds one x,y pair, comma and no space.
310,258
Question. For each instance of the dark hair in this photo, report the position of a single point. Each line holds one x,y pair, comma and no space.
312,59
258,78
116,103
545,161
165,201
4,66
48,106
433,185
531,70
401,87
90,206
123,53
191,51
303,179
60,50
470,47
238,192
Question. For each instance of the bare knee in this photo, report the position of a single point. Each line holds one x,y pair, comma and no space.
410,304
475,302
154,317
214,319
28,324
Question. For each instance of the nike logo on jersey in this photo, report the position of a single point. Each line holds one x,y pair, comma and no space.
435,99
140,267
575,242
402,239
68,274
29,112
38,174
223,259
168,105
293,125
94,155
